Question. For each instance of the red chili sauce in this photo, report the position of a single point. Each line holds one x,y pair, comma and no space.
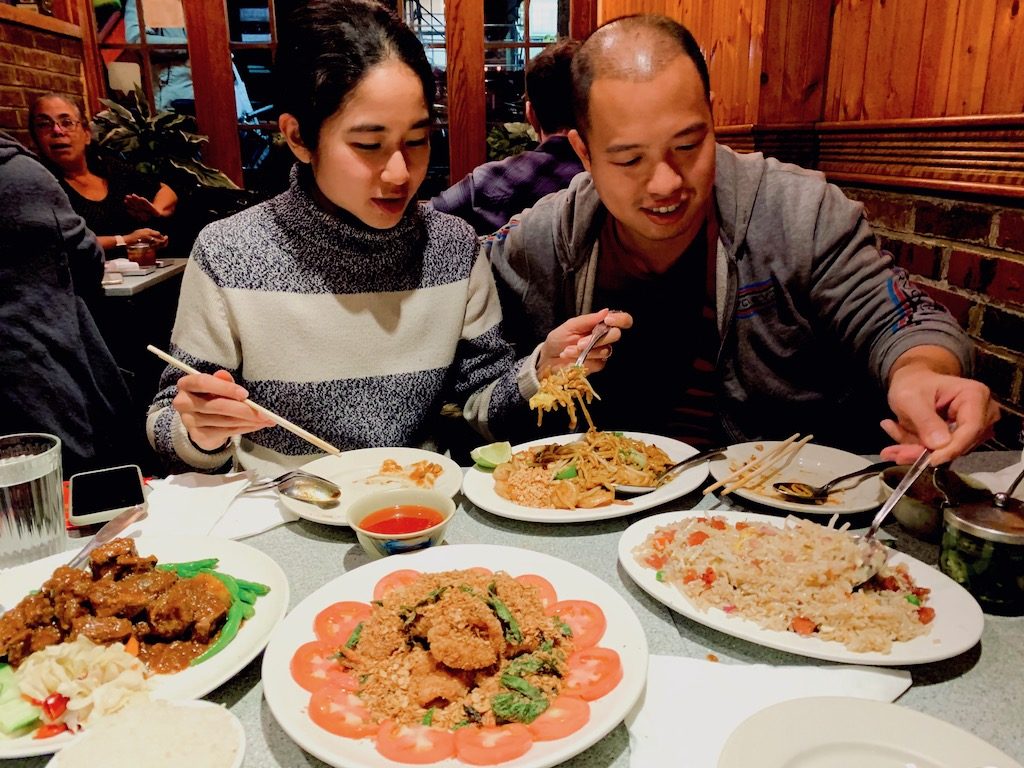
401,518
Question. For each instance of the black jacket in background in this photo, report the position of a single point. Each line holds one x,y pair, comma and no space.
56,373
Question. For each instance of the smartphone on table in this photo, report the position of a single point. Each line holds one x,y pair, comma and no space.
99,495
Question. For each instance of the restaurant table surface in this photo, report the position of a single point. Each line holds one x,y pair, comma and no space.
982,690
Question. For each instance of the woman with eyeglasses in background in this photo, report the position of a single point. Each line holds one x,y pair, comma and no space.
119,204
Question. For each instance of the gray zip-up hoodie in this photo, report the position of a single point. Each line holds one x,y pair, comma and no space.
811,315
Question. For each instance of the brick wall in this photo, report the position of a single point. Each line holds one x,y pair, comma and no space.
33,62
970,256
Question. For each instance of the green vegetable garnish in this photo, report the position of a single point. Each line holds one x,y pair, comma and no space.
659,575
564,628
913,599
428,719
566,473
353,639
509,624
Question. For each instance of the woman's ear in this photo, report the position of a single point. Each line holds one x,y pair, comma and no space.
289,127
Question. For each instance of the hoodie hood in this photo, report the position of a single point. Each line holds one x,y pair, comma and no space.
11,147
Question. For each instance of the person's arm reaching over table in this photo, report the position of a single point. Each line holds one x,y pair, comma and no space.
927,395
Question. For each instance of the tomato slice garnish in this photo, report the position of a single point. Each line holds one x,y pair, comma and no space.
546,592
48,730
336,622
54,705
341,712
586,619
393,580
593,673
316,664
416,744
478,745
566,715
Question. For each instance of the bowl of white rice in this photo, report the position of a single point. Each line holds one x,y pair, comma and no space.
159,734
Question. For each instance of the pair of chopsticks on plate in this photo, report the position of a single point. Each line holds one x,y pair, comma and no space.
760,468
295,429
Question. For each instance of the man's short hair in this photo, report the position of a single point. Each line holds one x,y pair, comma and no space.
549,85
600,55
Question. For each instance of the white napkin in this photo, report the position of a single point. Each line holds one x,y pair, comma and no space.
195,504
691,706
998,482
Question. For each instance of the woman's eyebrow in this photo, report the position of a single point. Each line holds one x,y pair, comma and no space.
376,128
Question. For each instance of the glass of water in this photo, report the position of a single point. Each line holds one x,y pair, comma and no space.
31,498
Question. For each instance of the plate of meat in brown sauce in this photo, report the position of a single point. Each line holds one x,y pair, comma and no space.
174,621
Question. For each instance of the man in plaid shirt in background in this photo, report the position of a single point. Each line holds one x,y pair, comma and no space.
494,192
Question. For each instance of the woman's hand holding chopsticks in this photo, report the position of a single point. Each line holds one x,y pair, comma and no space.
213,409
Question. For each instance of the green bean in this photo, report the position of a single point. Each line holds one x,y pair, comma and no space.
228,581
227,633
248,611
247,597
253,586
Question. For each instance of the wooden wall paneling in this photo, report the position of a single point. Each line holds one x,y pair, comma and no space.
582,18
893,55
755,62
971,48
467,135
771,107
210,58
846,75
93,71
1004,86
937,40
797,60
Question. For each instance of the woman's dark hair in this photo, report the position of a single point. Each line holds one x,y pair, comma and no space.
662,36
326,47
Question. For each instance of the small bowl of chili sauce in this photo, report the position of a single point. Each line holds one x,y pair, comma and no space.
393,521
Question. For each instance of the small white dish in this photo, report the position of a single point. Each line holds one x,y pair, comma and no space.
357,473
378,545
812,464
840,732
153,735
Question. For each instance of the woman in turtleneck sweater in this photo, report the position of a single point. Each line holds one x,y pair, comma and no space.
342,304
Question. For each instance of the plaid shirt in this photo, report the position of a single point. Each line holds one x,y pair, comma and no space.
494,192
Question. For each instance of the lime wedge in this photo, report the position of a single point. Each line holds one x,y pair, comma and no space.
492,454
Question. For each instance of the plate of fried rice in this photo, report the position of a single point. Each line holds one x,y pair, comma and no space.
791,584
456,655
533,494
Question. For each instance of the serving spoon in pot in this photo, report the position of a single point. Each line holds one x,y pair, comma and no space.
873,550
803,492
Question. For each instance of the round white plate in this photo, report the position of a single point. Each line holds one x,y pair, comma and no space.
839,732
814,465
237,734
352,472
288,701
957,626
235,558
478,486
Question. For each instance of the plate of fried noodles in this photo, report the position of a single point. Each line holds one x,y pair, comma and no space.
792,584
569,478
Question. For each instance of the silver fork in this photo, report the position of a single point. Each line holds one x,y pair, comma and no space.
599,332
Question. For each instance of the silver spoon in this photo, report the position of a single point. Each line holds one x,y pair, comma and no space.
874,551
1002,499
797,491
301,486
679,466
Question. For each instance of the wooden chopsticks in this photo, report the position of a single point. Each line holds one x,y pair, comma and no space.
295,429
761,466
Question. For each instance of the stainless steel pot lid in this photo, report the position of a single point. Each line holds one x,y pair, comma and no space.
987,521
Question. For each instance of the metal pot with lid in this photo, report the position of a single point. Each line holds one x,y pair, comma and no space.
983,550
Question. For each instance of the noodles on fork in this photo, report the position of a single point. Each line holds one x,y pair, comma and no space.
563,389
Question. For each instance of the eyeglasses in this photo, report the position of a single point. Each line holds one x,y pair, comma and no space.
46,124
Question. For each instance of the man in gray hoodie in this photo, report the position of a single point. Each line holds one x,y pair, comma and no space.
761,303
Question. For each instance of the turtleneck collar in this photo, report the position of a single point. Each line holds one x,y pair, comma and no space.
302,216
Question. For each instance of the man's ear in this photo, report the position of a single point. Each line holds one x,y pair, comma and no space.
289,127
580,146
531,117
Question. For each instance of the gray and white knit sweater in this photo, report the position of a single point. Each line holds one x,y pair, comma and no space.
356,334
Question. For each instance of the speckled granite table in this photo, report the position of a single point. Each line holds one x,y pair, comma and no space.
982,690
